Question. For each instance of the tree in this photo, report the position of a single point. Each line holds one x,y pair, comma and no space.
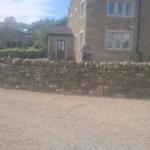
10,20
62,22
39,29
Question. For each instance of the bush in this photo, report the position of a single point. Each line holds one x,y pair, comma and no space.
22,53
38,44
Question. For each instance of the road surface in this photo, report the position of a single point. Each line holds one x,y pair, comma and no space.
39,121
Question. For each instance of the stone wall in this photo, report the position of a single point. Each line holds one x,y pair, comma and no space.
116,79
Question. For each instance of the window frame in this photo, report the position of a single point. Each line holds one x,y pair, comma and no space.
70,21
81,46
119,31
82,15
116,10
76,16
61,41
76,42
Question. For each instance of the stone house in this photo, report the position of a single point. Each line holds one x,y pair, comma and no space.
107,30
10,37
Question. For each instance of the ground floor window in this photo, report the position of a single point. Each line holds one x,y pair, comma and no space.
8,44
118,40
13,44
81,40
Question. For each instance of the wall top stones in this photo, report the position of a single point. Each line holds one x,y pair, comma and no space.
108,66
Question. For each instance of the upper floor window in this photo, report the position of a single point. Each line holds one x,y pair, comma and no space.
76,15
120,8
70,20
82,9
118,40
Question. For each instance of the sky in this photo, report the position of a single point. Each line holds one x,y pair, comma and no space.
28,11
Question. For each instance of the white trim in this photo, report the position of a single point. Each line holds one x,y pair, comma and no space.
83,15
75,35
76,44
76,15
71,20
119,31
81,32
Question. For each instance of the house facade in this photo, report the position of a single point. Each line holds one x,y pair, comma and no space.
10,37
107,30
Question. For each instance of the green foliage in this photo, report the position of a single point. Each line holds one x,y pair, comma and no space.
39,43
61,22
22,53
39,29
10,20
36,32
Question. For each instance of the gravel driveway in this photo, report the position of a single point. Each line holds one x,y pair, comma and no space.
39,121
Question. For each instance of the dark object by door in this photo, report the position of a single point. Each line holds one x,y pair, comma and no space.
61,49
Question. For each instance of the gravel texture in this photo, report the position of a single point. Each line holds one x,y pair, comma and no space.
39,121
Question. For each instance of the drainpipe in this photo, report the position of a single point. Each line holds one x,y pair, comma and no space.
139,30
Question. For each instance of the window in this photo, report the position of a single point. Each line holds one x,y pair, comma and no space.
76,16
14,44
120,8
70,21
8,44
76,41
82,9
128,8
61,45
118,40
19,44
111,7
81,40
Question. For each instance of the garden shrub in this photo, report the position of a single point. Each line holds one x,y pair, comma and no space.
23,53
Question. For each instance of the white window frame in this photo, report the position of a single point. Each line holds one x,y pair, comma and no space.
71,19
119,31
62,45
76,16
82,15
116,13
76,45
81,46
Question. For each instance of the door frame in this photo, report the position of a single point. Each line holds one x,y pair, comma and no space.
61,40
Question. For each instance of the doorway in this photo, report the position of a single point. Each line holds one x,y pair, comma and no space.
61,49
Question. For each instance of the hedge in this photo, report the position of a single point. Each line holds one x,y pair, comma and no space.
22,53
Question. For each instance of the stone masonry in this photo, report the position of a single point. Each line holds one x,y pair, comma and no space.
115,79
96,22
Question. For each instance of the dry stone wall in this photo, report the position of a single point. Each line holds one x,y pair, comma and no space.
115,79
